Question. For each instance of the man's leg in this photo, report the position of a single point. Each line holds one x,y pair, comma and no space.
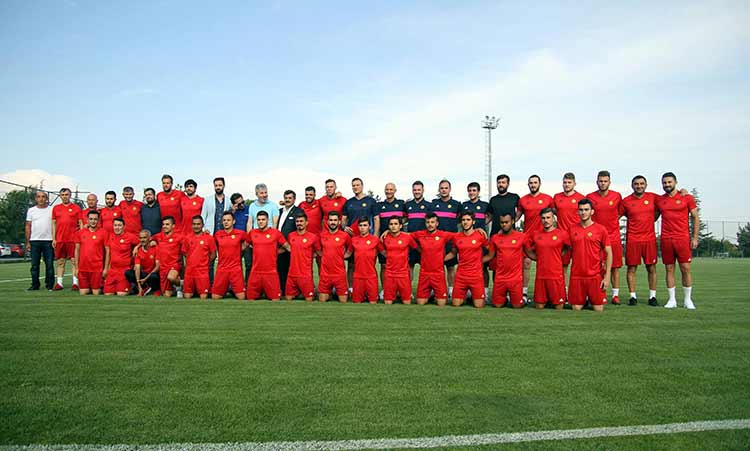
60,271
526,277
687,285
48,254
36,256
282,266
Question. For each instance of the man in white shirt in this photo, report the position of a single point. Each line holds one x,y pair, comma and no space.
39,241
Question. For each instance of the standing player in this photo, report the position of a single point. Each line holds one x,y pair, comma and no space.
479,208
530,207
91,205
150,212
446,208
366,246
311,207
502,203
432,243
469,245
170,201
547,248
387,209
640,238
676,244
416,211
608,207
119,259
304,247
199,249
336,246
170,258
91,253
264,276
64,227
331,200
230,242
355,207
145,273
589,241
396,246
191,205
565,204
110,212
131,211
508,246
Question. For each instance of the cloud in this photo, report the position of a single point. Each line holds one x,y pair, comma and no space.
38,178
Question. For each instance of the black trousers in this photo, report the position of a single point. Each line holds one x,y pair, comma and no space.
282,265
152,280
42,250
247,256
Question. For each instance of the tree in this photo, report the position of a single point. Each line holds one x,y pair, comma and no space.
743,240
707,244
373,195
13,207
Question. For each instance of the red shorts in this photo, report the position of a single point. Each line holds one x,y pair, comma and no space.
428,283
462,284
396,285
365,288
501,288
616,244
196,282
166,285
225,278
590,288
65,250
300,285
549,290
116,281
263,283
643,251
676,249
89,280
326,285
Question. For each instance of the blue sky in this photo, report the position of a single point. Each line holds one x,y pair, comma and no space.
104,94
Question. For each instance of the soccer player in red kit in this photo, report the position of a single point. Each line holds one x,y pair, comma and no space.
199,249
332,200
431,242
131,211
608,207
676,210
508,246
304,247
336,246
191,205
468,245
145,274
230,243
119,259
311,207
264,275
110,212
547,248
92,204
565,204
91,253
640,238
170,201
396,245
530,206
64,228
589,276
366,247
169,254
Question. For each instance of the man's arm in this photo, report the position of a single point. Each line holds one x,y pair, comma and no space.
275,216
27,233
605,280
376,222
106,262
54,232
696,228
77,259
490,255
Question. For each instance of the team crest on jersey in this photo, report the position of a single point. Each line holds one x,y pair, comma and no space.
93,237
589,234
368,241
232,236
337,239
395,206
478,207
122,240
195,203
473,241
572,201
335,204
115,215
421,207
304,240
152,257
437,238
449,205
70,210
645,202
399,242
268,235
679,201
611,203
364,204
201,242
554,237
512,241
170,240
133,208
171,198
540,201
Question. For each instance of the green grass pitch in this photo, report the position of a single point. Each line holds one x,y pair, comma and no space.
151,370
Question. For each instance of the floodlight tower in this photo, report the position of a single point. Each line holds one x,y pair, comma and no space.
489,124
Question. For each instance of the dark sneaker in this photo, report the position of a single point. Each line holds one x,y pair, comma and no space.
32,289
633,301
652,302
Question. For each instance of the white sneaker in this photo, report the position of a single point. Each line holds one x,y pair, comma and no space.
179,294
689,304
671,304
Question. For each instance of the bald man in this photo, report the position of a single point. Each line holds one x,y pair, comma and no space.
387,209
92,204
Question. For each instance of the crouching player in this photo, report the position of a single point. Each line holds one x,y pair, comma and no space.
144,276
432,256
548,247
396,245
120,244
469,244
508,246
366,247
199,249
230,243
170,260
304,247
336,246
589,276
264,276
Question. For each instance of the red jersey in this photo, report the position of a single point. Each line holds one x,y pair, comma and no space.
121,250
529,206
265,249
329,205
303,247
397,254
469,253
432,250
641,215
131,213
548,247
509,254
314,215
170,204
567,209
66,222
197,250
107,216
588,249
334,246
85,217
169,249
190,206
607,211
146,258
91,250
675,213
229,245
366,248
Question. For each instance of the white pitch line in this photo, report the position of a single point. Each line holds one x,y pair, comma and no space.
424,442
28,278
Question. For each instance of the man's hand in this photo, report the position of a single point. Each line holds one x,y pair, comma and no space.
54,244
605,283
27,249
104,273
349,231
694,243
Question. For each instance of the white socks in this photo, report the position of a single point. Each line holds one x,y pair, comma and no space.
687,291
671,292
525,290
651,294
633,295
75,280
59,280
450,292
615,291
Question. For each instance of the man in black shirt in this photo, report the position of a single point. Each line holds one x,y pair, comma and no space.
503,203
